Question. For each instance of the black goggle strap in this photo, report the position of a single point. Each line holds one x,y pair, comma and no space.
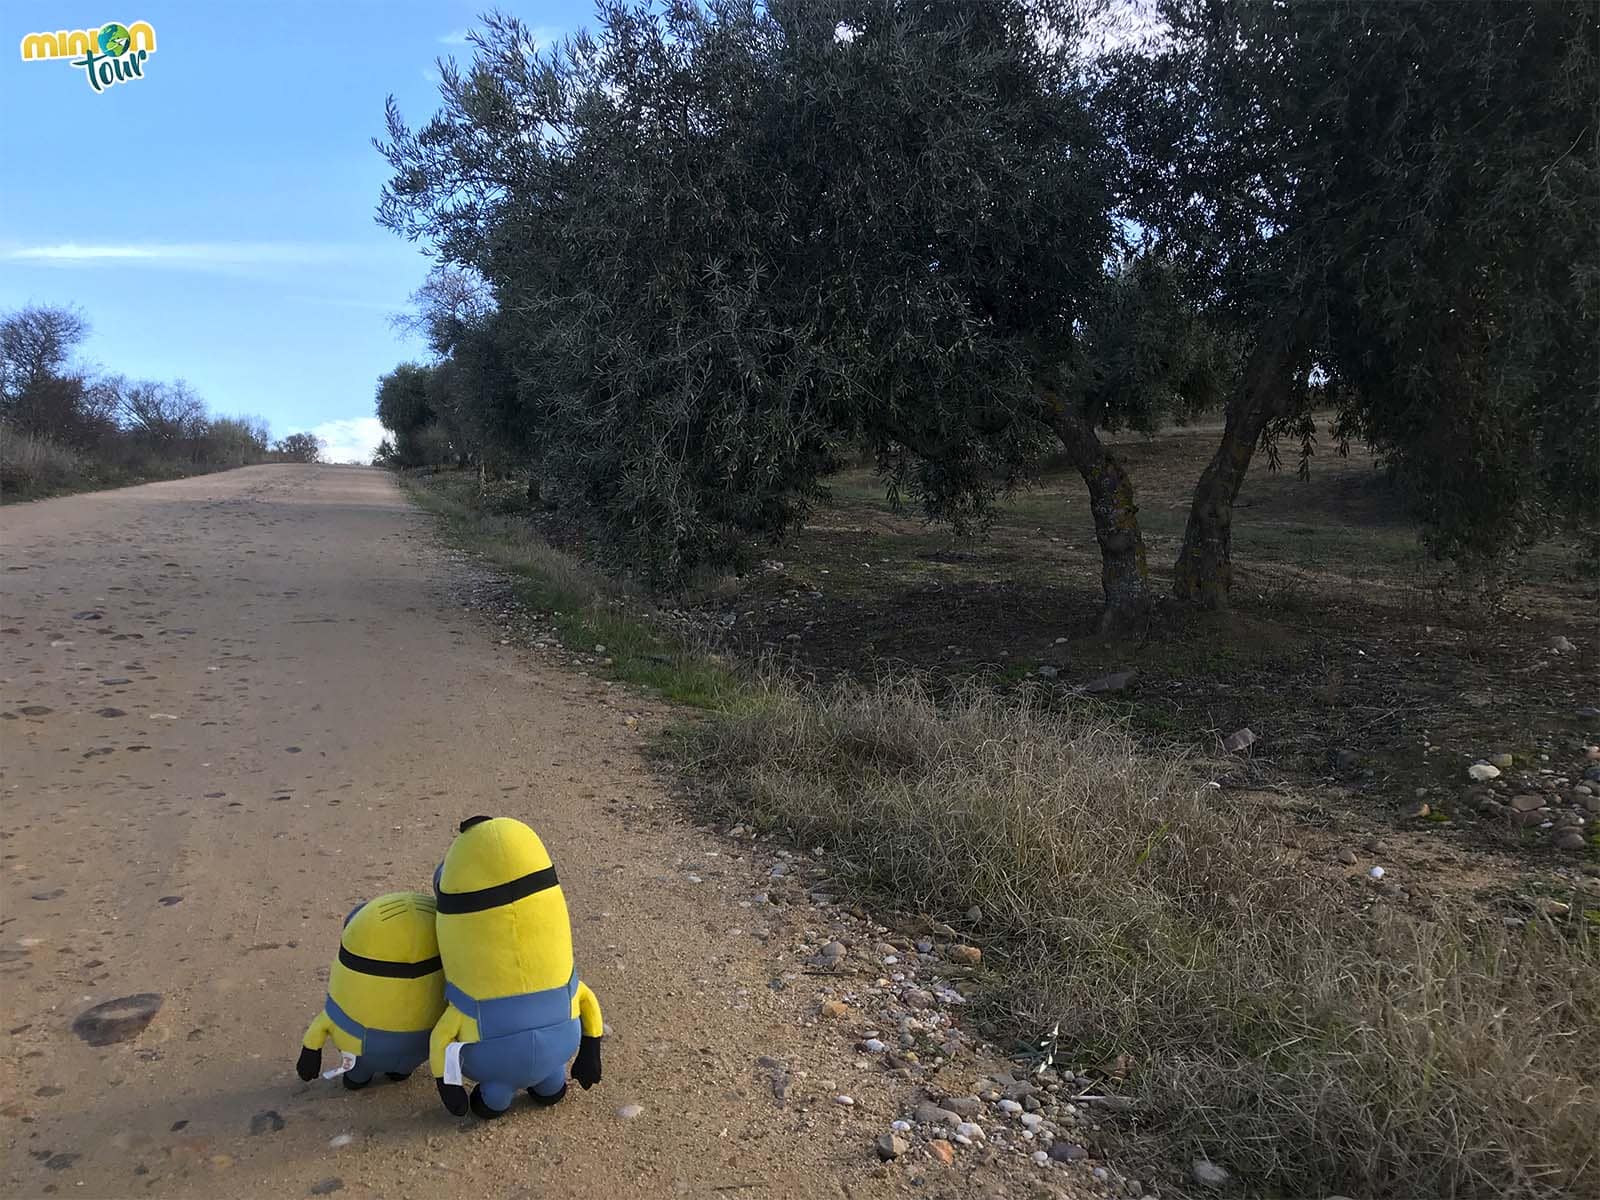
387,969
454,903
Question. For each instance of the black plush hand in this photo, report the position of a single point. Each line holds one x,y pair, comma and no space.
454,1097
586,1067
310,1064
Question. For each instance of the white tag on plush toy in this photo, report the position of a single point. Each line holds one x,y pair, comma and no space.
346,1061
452,1063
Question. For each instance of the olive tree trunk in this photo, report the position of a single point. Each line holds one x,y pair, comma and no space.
1124,575
1204,571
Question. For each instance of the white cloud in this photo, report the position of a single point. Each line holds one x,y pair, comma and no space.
350,440
184,255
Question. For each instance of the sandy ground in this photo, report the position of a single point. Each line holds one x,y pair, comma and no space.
253,702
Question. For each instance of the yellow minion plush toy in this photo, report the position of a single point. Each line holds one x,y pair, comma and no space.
385,991
515,1012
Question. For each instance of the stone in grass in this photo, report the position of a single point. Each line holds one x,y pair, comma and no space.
1208,1174
1117,681
966,955
1570,838
1239,739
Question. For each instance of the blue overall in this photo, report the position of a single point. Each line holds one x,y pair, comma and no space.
523,1041
381,1049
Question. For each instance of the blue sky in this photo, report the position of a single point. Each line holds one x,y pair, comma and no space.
214,219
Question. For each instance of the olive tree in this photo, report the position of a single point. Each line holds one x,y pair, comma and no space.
726,240
1398,199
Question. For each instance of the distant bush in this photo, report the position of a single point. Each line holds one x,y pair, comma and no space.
32,463
67,429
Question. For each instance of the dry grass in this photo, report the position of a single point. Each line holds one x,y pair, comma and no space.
1309,1047
587,609
32,465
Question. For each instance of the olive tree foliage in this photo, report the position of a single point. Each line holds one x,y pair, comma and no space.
727,240
405,409
1400,198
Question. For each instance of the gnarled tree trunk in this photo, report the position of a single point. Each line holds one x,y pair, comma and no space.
1204,571
1123,573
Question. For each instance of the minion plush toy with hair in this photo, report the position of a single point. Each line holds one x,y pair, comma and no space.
515,1011
385,992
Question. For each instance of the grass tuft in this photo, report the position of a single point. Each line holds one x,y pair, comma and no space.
1273,1028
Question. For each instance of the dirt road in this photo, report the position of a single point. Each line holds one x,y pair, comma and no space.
237,705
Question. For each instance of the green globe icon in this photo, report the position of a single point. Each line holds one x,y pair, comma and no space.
115,39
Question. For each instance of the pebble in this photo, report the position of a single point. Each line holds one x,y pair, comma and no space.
1482,773
1347,856
1502,760
1527,803
942,1150
929,1113
1041,1157
970,1129
1569,839
1375,873
833,950
891,1146
966,955
341,1141
847,1101
1032,1120
1010,1107
833,1009
873,1046
1068,1152
629,1111
117,1020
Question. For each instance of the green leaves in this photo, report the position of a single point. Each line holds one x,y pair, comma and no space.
725,243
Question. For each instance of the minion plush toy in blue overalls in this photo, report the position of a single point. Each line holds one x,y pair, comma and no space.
385,992
515,1011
